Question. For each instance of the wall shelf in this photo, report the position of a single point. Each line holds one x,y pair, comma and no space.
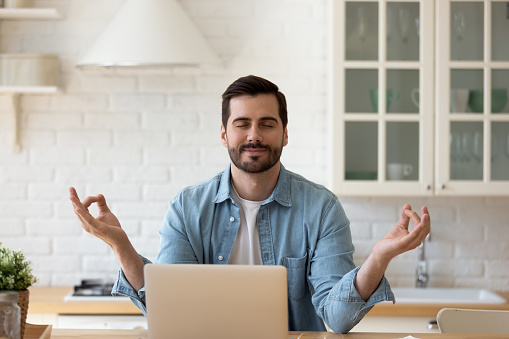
29,89
14,92
30,14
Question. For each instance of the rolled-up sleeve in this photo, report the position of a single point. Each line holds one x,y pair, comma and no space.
122,286
344,307
332,275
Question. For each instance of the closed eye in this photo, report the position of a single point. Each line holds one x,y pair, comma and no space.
268,122
241,125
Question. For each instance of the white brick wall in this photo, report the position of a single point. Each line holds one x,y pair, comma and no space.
138,136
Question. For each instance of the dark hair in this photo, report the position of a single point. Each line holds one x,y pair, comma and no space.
253,85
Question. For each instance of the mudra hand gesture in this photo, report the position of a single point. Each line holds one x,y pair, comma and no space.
399,239
106,226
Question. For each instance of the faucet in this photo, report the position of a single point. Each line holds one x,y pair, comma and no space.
421,272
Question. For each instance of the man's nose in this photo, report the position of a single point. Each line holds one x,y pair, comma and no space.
254,134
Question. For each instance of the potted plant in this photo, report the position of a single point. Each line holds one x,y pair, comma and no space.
16,275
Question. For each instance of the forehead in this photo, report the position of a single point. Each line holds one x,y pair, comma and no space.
254,107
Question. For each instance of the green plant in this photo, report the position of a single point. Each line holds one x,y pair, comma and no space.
15,270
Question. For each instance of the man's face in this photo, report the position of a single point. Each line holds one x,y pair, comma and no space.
255,136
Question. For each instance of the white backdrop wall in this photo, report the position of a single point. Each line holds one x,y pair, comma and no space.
138,136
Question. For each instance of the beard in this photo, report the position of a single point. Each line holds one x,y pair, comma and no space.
255,164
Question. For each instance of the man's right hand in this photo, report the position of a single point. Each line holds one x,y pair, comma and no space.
106,226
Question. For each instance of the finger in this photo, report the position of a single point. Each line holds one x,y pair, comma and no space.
420,230
405,219
424,211
427,223
101,203
88,222
425,218
73,196
413,216
100,200
80,213
90,200
414,238
72,191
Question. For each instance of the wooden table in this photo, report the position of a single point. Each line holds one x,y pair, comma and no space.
142,334
50,300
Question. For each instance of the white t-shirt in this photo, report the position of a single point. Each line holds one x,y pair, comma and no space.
246,250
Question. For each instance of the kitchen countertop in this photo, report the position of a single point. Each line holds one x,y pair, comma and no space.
45,299
411,309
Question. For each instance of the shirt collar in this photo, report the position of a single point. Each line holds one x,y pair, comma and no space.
281,192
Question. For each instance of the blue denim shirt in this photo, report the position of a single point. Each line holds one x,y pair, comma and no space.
301,226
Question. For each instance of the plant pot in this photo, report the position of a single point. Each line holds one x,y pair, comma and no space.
23,305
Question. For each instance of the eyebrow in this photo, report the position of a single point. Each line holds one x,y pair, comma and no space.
261,119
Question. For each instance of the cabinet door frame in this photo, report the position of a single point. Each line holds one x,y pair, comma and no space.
382,187
444,185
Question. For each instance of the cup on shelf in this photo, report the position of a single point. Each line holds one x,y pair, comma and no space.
18,3
390,96
459,100
498,100
398,171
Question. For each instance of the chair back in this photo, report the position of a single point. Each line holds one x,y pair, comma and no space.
454,320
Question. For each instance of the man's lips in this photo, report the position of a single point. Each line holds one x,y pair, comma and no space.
254,151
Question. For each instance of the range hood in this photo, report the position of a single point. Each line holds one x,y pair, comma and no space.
149,33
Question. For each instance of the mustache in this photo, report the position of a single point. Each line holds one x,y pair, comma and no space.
252,145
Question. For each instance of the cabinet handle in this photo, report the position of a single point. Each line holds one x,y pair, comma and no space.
428,187
432,324
442,186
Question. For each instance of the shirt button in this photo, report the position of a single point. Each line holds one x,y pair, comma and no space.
232,219
220,258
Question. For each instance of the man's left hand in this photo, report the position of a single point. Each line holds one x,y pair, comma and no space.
399,239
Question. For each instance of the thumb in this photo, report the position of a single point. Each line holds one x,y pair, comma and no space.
404,220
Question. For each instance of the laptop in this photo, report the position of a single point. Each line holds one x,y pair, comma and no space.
216,301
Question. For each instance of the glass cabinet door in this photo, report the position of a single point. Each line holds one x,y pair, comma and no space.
472,85
382,97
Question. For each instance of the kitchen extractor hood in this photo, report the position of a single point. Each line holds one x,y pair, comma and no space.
149,33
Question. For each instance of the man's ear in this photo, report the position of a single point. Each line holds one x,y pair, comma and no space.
224,140
285,137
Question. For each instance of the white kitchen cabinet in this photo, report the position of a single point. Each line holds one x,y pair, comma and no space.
472,149
424,55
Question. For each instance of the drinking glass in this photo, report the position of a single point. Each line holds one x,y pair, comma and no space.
459,25
507,145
